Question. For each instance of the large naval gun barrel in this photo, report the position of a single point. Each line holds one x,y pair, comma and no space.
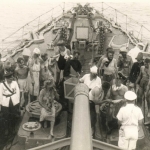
81,136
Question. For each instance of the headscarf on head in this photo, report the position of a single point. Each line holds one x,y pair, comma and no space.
93,70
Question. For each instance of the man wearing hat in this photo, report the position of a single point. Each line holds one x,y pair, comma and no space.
91,80
124,63
142,81
94,84
9,100
129,117
73,66
135,51
34,74
26,55
135,70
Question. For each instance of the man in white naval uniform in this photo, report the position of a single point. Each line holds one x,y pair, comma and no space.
129,116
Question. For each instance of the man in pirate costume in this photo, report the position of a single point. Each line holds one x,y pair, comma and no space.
9,100
143,80
73,66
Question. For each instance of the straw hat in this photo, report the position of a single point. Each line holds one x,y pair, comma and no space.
130,96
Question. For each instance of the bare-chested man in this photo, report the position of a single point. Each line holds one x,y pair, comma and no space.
21,73
118,89
109,65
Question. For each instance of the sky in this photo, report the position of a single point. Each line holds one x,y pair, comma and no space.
76,1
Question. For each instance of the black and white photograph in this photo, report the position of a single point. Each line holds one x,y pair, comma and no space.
74,75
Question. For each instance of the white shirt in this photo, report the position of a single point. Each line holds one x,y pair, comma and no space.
91,84
4,101
130,115
134,53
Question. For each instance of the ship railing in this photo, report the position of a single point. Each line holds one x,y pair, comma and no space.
67,141
24,34
136,31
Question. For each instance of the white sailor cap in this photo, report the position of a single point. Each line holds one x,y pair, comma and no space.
36,51
93,69
130,96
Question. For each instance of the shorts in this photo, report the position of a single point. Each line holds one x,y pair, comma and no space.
108,78
23,85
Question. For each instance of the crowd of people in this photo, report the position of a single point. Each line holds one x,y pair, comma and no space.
124,79
37,77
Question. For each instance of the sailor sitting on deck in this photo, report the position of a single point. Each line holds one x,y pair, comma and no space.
46,99
73,66
21,74
129,117
34,74
124,64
